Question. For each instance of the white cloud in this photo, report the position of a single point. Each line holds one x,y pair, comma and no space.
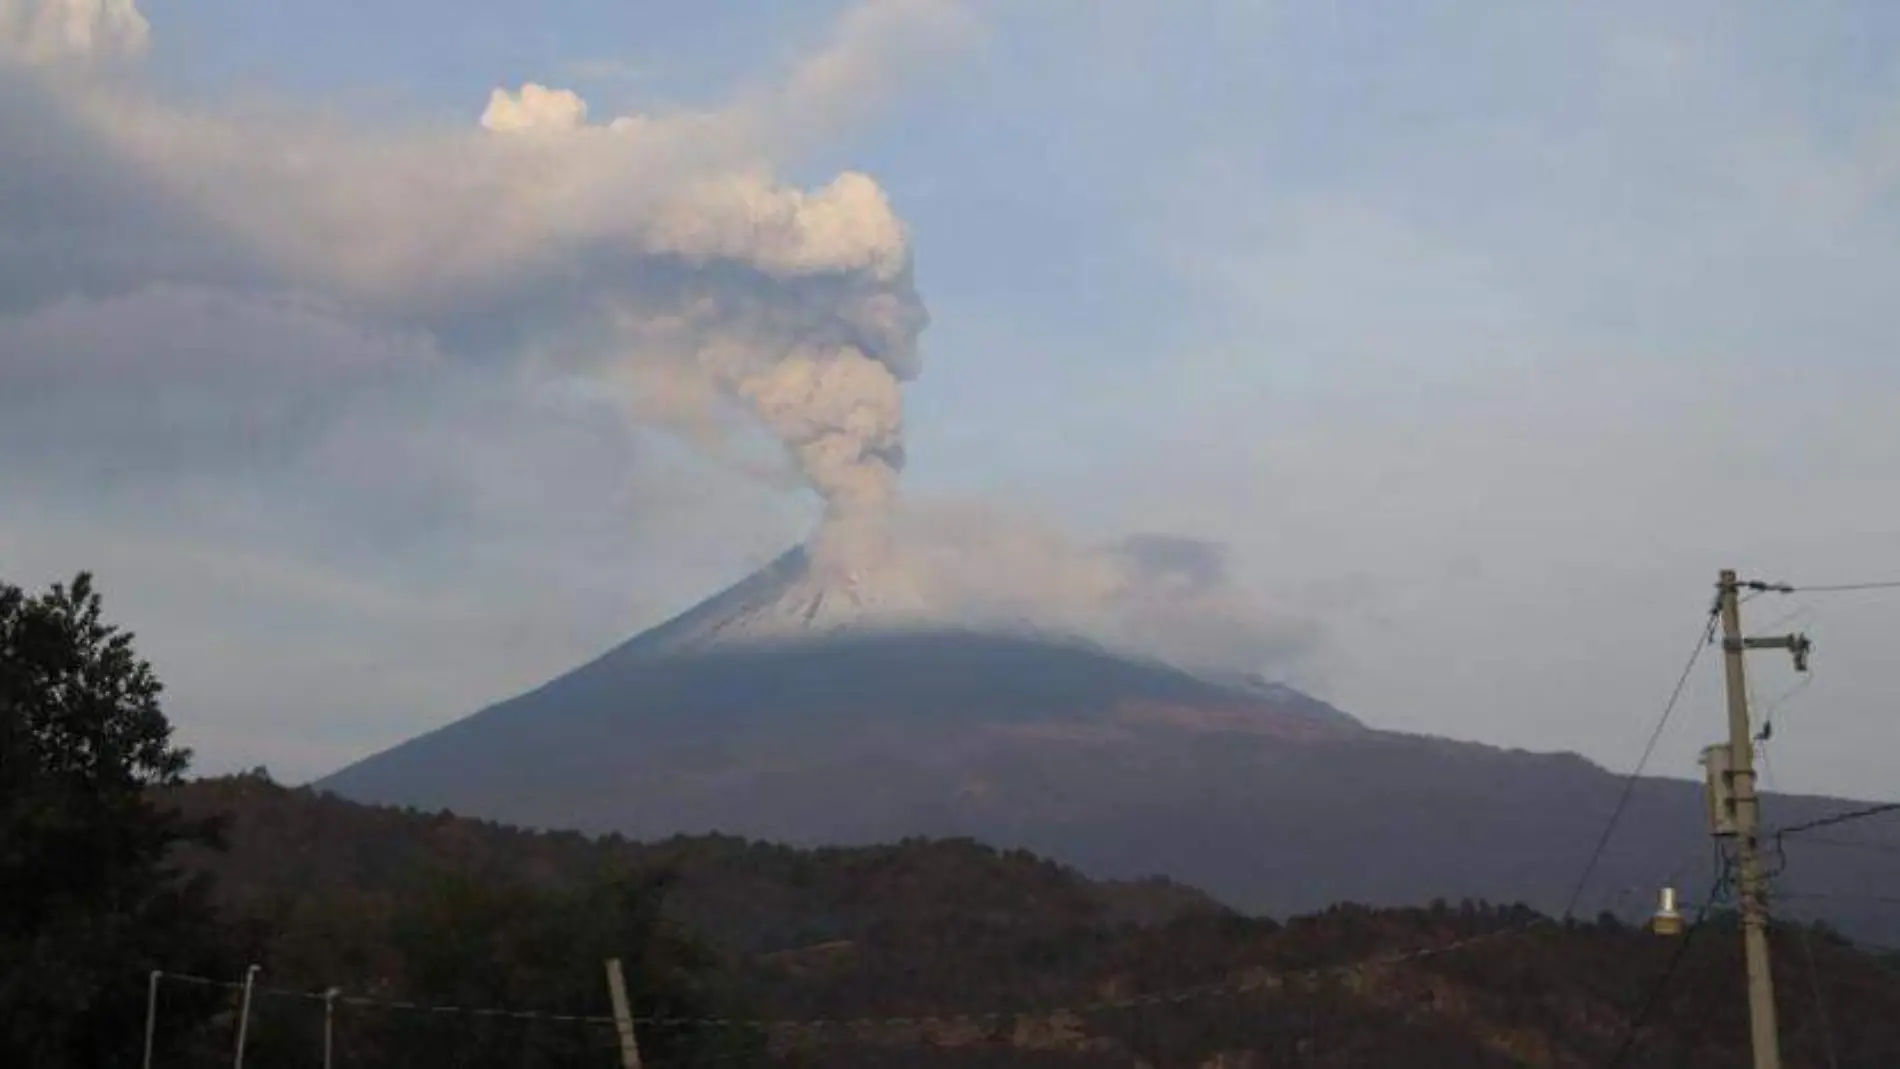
51,31
534,107
657,242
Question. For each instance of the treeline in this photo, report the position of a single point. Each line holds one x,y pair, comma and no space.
913,954
946,929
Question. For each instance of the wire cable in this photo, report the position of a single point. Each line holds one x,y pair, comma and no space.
1769,710
1837,588
1689,1037
1820,1003
1805,608
1807,938
1654,998
1843,896
1629,782
1849,844
1839,818
1254,981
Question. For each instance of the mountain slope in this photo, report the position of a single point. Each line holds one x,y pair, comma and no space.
807,709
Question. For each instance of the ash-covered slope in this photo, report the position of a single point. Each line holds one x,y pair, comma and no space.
789,659
824,708
787,601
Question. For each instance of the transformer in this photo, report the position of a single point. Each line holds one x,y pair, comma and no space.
1719,789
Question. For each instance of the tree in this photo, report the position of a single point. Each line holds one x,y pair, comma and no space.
88,901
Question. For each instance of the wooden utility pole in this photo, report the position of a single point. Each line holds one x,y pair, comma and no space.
623,1016
1746,815
151,1015
244,1013
329,1026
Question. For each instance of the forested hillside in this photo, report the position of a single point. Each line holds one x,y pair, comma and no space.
947,953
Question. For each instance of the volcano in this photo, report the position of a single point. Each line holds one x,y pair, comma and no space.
822,706
692,725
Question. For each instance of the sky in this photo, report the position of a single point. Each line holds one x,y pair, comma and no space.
1466,341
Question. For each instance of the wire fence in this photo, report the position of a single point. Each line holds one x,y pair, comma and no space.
329,1016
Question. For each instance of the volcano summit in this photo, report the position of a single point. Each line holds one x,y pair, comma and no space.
813,703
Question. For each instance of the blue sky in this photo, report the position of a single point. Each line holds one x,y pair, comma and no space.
1480,335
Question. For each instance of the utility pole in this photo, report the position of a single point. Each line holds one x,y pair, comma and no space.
623,1015
1745,814
329,1025
151,1015
244,1013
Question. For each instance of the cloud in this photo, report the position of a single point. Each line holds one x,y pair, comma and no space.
653,250
871,48
172,379
55,31
970,564
1189,563
534,107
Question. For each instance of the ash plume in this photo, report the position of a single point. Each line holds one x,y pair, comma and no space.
54,31
656,259
659,253
937,563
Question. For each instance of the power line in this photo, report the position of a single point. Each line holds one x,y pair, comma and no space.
1629,782
1820,1003
1253,981
1758,587
1836,588
1805,608
1839,818
1843,896
1693,1034
1807,939
1654,997
1849,844
1770,709
1781,836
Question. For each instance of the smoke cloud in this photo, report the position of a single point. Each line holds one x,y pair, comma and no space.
656,255
51,31
658,252
938,563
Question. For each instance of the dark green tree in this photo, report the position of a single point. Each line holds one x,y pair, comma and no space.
88,901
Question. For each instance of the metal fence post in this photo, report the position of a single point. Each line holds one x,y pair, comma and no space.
151,1015
244,1012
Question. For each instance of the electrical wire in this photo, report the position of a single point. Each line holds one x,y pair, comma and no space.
1839,818
1769,710
1254,982
1837,588
1806,608
1654,998
1807,938
1820,1003
1706,636
1686,1043
1849,844
1781,836
1843,896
